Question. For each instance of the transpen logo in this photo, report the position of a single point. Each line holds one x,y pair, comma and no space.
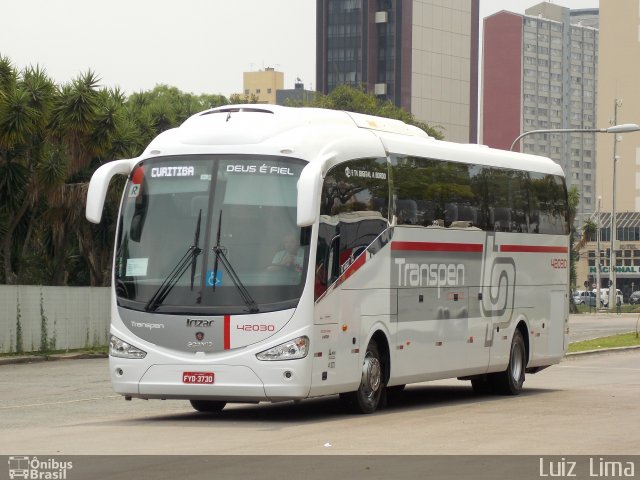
430,274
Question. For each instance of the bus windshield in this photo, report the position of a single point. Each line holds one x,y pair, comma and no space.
206,234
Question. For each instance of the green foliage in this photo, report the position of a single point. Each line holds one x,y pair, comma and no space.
614,341
239,99
574,199
19,341
345,97
44,331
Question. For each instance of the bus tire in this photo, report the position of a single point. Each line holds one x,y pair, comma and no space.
207,406
370,393
510,381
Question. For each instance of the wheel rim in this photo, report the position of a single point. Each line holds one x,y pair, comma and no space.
371,376
517,362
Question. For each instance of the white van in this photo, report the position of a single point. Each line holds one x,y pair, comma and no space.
604,296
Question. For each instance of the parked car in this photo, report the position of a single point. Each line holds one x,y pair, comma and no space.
634,298
580,297
577,296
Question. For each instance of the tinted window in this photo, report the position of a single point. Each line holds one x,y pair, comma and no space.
354,211
450,194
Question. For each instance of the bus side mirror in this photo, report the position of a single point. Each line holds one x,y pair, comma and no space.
99,185
309,185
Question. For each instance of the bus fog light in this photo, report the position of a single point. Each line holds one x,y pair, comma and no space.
119,372
288,374
120,348
291,350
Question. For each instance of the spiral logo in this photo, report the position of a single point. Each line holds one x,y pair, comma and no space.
498,282
499,287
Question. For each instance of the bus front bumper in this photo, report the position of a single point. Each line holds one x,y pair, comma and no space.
231,383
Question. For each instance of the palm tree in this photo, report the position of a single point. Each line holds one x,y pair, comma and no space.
86,120
589,229
25,109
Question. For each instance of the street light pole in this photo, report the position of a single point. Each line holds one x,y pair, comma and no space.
613,292
624,128
615,129
598,256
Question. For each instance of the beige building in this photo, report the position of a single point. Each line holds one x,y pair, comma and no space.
627,254
263,84
443,56
619,71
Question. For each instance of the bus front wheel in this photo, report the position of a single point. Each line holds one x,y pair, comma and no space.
207,406
511,380
371,390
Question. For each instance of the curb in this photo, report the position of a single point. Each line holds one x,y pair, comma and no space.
601,351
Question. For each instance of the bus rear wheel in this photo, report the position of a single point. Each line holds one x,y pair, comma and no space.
510,381
207,406
371,390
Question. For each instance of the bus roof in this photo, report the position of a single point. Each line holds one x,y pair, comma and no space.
323,135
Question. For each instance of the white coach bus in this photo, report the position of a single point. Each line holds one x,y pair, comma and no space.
268,253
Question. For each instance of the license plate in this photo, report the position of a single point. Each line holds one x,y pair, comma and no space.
205,378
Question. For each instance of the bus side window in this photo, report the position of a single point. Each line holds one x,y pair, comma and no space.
353,213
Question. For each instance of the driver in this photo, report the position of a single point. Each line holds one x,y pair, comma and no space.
291,257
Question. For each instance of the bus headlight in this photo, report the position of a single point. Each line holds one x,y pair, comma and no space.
291,350
120,348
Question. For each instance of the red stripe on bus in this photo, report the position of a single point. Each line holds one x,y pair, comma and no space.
227,332
353,268
437,247
533,249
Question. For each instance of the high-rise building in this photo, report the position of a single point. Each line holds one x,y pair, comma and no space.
422,55
539,72
263,84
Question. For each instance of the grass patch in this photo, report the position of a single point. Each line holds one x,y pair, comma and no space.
621,340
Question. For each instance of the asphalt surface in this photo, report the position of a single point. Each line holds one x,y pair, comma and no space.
585,405
595,325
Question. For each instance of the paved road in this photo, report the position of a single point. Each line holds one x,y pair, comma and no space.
588,326
585,405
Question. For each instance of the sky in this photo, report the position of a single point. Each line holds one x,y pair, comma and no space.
198,46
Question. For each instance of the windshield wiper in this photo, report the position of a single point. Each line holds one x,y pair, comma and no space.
221,255
196,241
167,285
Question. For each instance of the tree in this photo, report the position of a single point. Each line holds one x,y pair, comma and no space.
574,199
27,165
236,98
345,97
